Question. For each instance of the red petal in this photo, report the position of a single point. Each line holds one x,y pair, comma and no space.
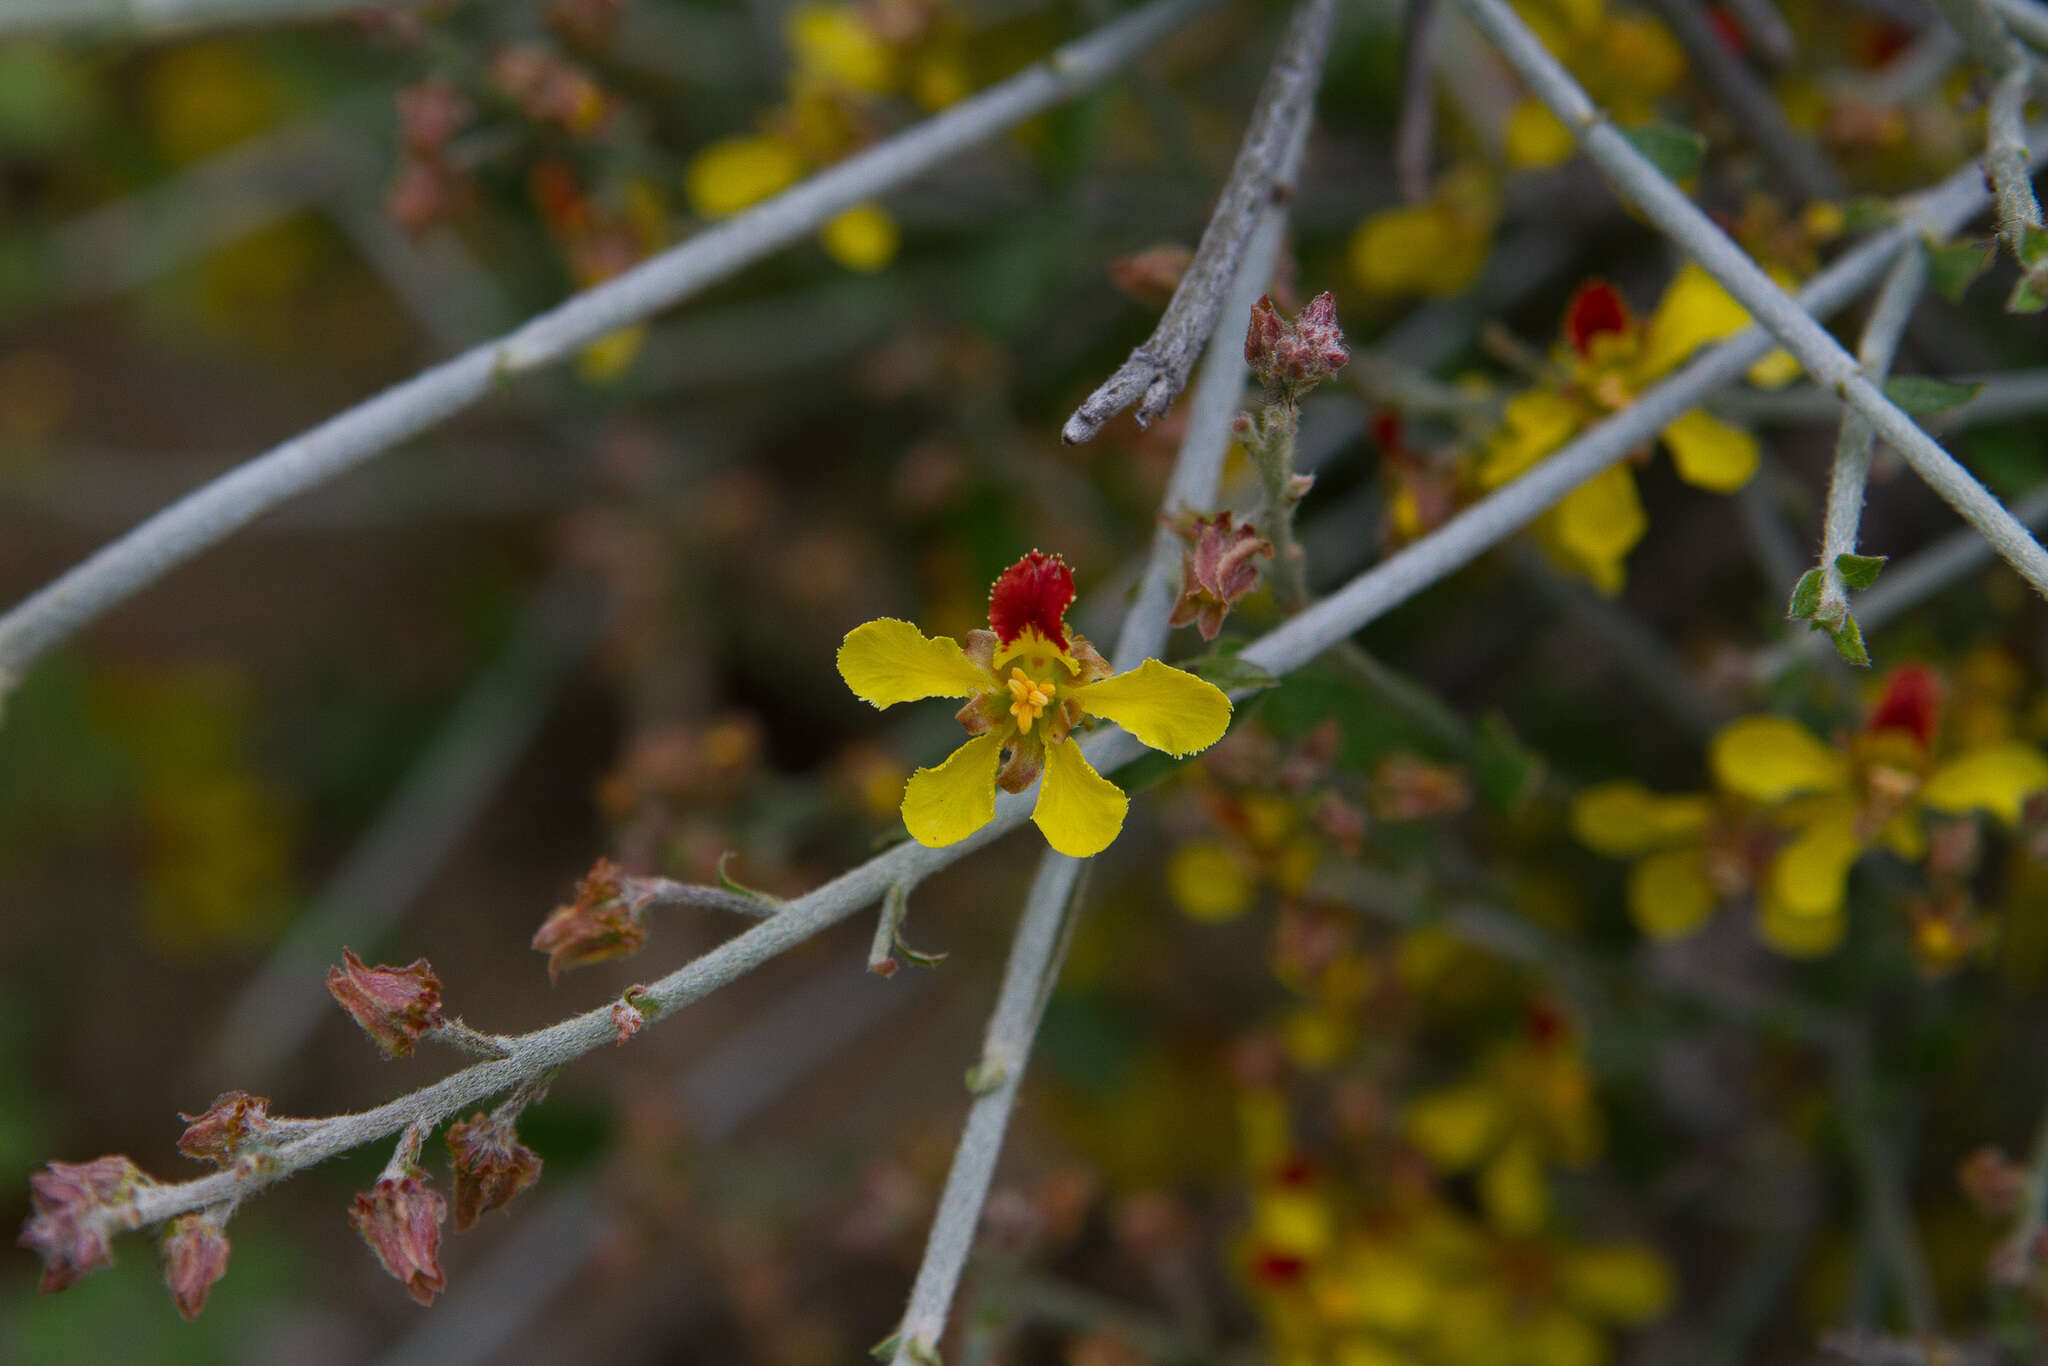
1728,29
1386,428
1035,591
1597,307
1911,701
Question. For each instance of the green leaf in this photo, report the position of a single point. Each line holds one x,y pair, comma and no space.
1849,643
1860,571
1868,213
1675,151
1921,395
1231,672
727,881
1506,772
2033,247
1954,267
2029,295
1805,597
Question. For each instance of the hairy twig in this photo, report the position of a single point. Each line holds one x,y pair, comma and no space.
2005,156
2028,20
1664,204
1799,166
1415,133
1158,369
342,442
1998,398
1853,446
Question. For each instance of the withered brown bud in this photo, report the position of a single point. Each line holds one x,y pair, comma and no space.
491,1165
395,1006
1295,355
1150,276
1408,788
429,113
400,1218
195,1256
603,922
234,1120
1219,568
75,1208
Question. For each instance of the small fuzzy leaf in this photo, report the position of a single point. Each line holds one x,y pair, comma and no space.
2033,247
1860,571
1675,151
1954,267
2029,295
1805,597
1506,772
1849,643
1921,395
1230,672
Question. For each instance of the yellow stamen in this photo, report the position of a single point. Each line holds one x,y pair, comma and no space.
1029,699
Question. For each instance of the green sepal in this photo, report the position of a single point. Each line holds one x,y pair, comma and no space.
1860,571
1805,596
1675,151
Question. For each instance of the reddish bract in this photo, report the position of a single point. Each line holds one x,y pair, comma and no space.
1596,308
1911,702
1034,592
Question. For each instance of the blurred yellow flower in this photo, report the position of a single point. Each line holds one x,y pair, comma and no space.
738,172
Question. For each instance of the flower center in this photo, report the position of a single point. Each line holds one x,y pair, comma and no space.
1028,699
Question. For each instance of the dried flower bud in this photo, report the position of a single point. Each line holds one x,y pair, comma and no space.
75,1207
426,191
549,89
1408,788
1296,355
400,1218
1992,1182
603,922
429,113
395,1006
195,1256
235,1119
491,1166
1221,567
629,1012
1151,276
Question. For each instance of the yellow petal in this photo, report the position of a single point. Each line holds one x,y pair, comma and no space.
945,805
1389,1291
1534,139
1166,708
1623,819
1810,876
728,176
890,661
1800,936
1641,56
1770,758
863,238
1996,778
1709,453
1623,1283
1602,519
1454,1127
832,42
1775,370
1557,1338
1079,811
1669,894
1516,1195
1532,426
1694,312
1208,883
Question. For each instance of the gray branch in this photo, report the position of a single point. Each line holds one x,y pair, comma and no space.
1158,369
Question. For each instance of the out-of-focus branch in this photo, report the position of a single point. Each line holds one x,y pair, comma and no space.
1415,133
162,18
213,512
1635,177
1158,369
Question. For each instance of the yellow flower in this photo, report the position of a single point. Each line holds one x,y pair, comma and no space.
1607,360
832,43
730,175
1029,683
1435,248
863,238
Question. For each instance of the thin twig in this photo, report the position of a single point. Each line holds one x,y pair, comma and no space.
213,512
1749,102
1856,441
1415,133
2005,157
161,18
1766,30
1999,398
1158,369
1891,1218
2028,19
1638,180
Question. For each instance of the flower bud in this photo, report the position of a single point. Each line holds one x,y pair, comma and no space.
75,1207
603,922
400,1218
1152,275
234,1120
395,1006
1220,568
195,1256
491,1165
1296,355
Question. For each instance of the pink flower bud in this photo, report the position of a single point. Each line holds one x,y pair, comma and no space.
1295,355
603,922
491,1164
195,1256
1220,568
627,1020
400,1218
395,1006
234,1120
75,1208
